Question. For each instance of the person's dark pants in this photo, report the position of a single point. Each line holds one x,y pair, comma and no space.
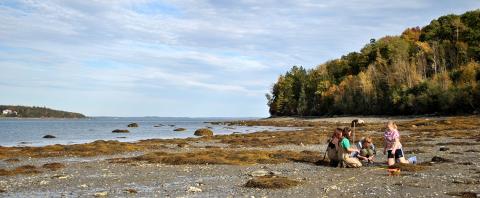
334,163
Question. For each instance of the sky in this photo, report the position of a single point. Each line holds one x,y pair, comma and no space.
183,58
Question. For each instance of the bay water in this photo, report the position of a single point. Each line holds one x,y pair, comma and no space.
29,132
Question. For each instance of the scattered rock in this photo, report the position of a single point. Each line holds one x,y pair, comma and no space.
407,167
60,177
179,129
414,126
445,122
43,182
437,159
467,181
183,145
120,131
158,125
101,194
271,182
357,123
203,132
414,151
25,169
84,186
466,163
132,125
53,166
259,173
463,194
172,125
193,189
121,137
2,191
131,190
49,136
444,148
472,150
12,160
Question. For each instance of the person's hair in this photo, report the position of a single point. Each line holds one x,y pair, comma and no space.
345,132
367,139
338,132
391,125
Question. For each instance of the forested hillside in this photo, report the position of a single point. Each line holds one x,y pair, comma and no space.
434,69
38,112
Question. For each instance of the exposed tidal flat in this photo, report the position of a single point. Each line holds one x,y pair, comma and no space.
281,163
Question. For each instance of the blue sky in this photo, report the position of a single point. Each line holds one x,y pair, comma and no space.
182,58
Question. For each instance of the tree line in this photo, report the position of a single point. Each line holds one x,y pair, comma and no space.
429,70
38,112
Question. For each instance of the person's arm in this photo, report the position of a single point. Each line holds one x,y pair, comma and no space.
351,149
361,157
345,144
396,144
385,148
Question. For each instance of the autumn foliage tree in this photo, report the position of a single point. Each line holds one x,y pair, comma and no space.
434,69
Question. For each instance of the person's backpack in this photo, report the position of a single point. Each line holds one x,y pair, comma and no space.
332,151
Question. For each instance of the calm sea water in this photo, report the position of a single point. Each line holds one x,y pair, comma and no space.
29,132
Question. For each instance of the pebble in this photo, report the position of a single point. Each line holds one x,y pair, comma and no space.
101,194
258,173
194,189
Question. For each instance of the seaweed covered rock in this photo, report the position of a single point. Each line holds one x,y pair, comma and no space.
179,129
53,166
49,136
203,132
133,125
271,182
120,131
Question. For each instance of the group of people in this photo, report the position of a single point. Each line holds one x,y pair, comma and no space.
343,152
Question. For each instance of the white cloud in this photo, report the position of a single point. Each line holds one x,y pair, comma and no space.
225,47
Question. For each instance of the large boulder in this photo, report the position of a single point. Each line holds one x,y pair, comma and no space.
49,136
203,132
133,125
357,123
120,131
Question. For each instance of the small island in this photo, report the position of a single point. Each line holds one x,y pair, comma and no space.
35,112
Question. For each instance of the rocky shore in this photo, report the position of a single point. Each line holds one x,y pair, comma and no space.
448,150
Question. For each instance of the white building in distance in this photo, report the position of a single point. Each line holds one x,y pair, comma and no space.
9,112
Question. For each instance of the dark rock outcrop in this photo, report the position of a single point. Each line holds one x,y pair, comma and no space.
49,136
120,131
133,125
179,129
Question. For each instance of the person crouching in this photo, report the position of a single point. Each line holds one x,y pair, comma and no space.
347,150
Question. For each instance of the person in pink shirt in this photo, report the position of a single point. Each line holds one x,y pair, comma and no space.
393,148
